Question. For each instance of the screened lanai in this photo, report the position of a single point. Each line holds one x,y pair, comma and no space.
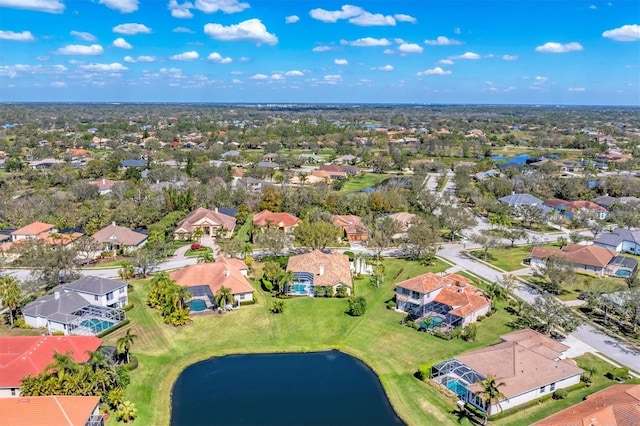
457,377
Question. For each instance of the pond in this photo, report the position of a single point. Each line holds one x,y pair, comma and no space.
318,388
392,182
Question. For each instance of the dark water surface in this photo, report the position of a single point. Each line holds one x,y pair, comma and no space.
320,388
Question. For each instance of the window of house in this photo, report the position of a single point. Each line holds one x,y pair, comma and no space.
242,297
552,387
415,295
542,389
95,298
121,291
110,296
13,392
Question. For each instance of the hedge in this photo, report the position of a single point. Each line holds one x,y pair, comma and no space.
112,329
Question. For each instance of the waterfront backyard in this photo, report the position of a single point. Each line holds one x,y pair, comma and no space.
392,350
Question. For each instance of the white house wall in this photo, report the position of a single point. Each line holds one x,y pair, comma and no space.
534,394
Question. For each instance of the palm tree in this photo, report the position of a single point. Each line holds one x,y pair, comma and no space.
124,344
126,412
224,296
491,394
10,294
284,278
126,270
197,234
206,257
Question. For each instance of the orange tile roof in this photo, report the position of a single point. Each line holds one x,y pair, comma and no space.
47,410
222,272
34,228
351,224
279,219
463,299
429,282
617,405
591,255
328,269
59,239
21,356
195,218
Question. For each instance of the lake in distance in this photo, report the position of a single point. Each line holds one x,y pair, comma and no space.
318,388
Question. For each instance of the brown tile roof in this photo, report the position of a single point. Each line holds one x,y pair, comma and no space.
280,219
403,219
59,239
327,269
591,255
222,272
104,183
429,282
202,215
34,229
21,356
463,299
537,342
47,410
521,368
350,224
617,405
123,236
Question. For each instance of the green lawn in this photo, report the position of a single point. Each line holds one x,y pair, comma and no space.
392,350
508,259
362,181
244,232
583,283
196,253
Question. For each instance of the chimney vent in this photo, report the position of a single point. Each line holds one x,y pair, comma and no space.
321,271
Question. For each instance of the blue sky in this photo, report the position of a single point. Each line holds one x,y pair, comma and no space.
404,51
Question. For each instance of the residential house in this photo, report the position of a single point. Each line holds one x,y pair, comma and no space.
617,405
32,231
268,165
69,311
570,209
620,240
446,301
230,154
317,269
588,258
346,159
104,185
22,356
211,222
118,238
528,364
133,163
517,200
283,221
608,202
345,168
100,291
352,226
203,280
403,219
55,410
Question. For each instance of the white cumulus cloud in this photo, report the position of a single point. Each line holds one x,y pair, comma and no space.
294,73
22,36
321,49
259,77
401,17
183,30
58,84
185,56
115,66
577,89
124,6
370,42
388,51
341,62
386,68
445,62
624,33
79,49
442,41
466,55
553,47
367,19
410,48
180,11
216,57
291,19
332,78
83,36
346,12
225,6
131,29
509,57
48,6
121,43
434,71
252,30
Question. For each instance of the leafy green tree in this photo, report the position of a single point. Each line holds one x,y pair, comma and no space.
550,314
357,306
115,397
456,219
381,234
10,295
558,273
272,239
316,235
487,241
124,344
206,256
422,238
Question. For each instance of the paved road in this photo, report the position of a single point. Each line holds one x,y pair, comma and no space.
585,333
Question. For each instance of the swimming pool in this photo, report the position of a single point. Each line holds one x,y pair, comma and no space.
96,325
435,321
623,273
456,387
197,305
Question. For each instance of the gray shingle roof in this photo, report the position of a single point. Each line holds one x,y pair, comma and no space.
94,285
56,309
515,200
617,236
